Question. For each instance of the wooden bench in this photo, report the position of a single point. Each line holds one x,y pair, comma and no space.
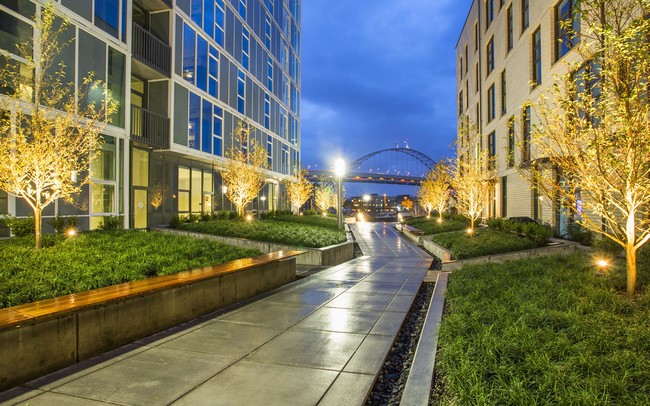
50,334
412,230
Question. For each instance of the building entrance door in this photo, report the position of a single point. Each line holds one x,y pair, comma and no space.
140,199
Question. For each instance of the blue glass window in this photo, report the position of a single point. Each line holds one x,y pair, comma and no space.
201,63
284,124
525,17
270,5
242,9
537,58
285,159
197,11
194,129
267,32
269,151
245,44
123,20
107,16
188,53
269,74
208,18
218,21
217,136
241,92
206,127
491,99
267,111
213,73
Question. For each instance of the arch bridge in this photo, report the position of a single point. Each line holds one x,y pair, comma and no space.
397,166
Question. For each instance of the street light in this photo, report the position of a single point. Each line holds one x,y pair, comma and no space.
339,171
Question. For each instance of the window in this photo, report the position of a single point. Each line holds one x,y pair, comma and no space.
269,74
13,32
285,159
194,124
241,92
537,58
183,189
208,19
566,36
466,59
206,127
511,142
103,176
196,11
524,15
201,63
491,104
269,151
213,73
217,131
492,149
489,12
477,77
188,53
460,67
504,196
267,32
116,83
509,30
107,16
460,103
526,134
218,22
245,45
267,111
284,124
476,36
504,108
490,55
242,9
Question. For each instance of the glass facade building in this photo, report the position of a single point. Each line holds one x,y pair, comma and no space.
184,72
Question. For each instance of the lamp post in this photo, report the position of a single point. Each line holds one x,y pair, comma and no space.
339,170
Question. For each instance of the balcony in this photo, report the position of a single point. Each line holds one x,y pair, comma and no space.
149,128
155,5
151,51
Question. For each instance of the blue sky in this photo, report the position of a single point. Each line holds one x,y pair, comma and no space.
376,73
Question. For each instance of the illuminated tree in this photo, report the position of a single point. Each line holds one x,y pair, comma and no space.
407,203
157,195
594,126
434,192
49,131
243,173
472,179
299,189
324,197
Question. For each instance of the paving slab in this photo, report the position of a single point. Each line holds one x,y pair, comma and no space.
320,340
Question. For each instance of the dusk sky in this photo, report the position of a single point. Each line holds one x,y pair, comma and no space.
376,73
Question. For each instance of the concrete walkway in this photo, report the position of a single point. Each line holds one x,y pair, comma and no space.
320,340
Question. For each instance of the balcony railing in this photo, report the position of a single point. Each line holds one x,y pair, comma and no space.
150,50
149,128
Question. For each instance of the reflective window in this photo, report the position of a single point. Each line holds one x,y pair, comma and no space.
13,32
267,32
537,58
489,12
107,16
201,63
188,53
241,92
213,73
218,22
509,30
208,18
23,7
269,151
197,9
245,47
116,83
491,104
284,124
267,111
242,9
490,55
217,132
269,74
193,126
524,15
206,127
504,94
567,25
139,168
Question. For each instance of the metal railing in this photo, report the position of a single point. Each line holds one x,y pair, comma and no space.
149,127
150,50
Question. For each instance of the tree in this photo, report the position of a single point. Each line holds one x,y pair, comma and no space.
299,189
434,192
407,203
49,131
594,126
324,197
243,173
472,180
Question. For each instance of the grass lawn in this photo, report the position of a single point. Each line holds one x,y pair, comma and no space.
431,226
484,241
97,259
298,231
544,331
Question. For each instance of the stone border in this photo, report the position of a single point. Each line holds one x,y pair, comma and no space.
45,336
327,256
417,389
448,264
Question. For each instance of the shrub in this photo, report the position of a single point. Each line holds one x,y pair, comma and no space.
233,215
607,246
20,227
175,221
577,233
62,224
110,223
205,216
310,212
537,233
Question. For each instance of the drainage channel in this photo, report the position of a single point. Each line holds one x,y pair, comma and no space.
390,382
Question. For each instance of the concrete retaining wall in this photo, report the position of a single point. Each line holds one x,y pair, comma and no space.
327,256
415,238
35,342
441,252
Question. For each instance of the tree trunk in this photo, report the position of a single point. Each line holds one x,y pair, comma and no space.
630,262
38,232
242,211
471,222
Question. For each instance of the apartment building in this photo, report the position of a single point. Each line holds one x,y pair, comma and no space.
507,54
183,72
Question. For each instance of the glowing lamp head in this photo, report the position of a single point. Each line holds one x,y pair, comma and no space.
71,232
439,220
339,168
428,217
602,263
470,231
249,218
